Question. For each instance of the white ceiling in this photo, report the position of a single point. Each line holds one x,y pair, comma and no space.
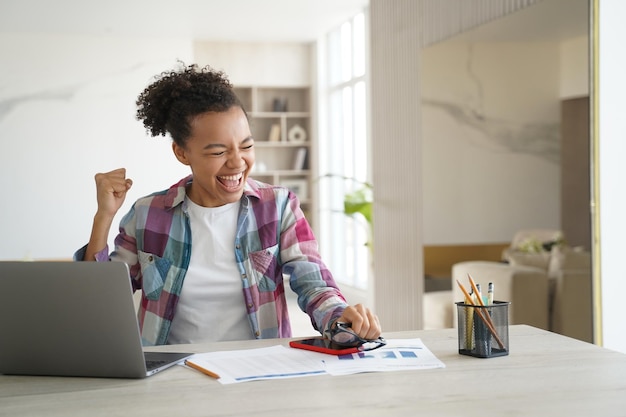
256,20
224,20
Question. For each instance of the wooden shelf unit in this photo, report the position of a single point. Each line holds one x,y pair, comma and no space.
280,121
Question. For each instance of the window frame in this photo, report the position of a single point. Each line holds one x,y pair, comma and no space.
345,240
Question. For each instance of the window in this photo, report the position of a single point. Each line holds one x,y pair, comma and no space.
344,151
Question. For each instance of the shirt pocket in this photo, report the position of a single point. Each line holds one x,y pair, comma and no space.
264,263
154,271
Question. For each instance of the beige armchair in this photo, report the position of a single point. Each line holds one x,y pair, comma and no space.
572,311
527,288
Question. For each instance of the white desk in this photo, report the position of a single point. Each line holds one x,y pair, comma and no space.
545,374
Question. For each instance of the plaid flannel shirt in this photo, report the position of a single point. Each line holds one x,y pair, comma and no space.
273,238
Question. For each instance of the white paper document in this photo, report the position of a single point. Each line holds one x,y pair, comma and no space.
397,355
284,362
273,362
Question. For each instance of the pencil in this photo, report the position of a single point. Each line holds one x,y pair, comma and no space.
477,290
486,318
201,369
469,323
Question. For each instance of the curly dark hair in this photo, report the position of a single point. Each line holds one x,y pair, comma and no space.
169,104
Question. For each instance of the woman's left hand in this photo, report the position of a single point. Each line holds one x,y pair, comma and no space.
363,321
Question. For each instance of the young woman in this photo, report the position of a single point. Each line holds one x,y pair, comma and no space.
210,252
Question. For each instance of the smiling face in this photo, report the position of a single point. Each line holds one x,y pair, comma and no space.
220,153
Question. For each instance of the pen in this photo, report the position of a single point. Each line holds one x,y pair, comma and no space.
201,369
490,294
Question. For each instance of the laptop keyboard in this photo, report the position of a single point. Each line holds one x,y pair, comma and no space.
153,364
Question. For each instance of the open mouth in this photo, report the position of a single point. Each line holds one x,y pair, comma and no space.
230,181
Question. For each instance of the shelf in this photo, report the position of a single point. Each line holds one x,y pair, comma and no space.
280,122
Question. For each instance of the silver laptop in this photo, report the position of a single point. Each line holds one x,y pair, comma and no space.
72,319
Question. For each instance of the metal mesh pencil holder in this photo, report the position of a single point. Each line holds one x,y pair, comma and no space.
483,330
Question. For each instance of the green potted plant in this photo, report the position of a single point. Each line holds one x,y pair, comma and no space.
359,202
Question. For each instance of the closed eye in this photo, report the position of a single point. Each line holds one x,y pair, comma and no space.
224,152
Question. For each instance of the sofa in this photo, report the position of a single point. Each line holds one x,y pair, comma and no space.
572,304
549,287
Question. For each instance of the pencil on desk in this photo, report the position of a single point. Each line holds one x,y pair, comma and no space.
201,369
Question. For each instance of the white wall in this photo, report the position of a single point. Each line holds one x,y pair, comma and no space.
490,162
574,56
258,64
612,170
67,111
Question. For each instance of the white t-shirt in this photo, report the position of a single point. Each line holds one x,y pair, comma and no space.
211,306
